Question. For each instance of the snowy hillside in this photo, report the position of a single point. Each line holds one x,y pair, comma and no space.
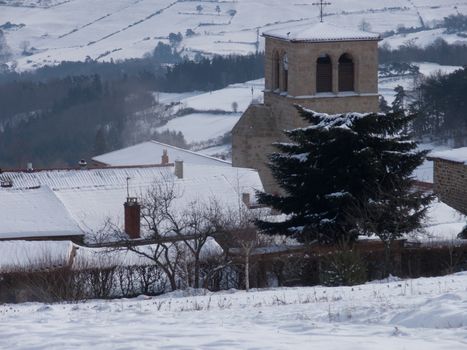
427,313
49,31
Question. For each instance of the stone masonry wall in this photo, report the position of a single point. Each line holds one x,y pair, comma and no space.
302,58
450,183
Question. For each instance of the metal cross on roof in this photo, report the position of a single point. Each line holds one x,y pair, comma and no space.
321,3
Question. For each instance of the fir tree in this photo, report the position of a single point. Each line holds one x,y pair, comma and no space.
398,105
383,105
331,169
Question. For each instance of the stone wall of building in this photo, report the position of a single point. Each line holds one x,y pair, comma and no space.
302,59
450,183
252,142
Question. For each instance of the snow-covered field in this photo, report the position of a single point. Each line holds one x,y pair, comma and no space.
200,127
101,29
426,313
241,94
216,112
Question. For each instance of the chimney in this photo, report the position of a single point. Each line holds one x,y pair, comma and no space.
132,218
29,167
246,199
179,168
83,164
165,157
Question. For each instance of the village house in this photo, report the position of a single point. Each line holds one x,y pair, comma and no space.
77,203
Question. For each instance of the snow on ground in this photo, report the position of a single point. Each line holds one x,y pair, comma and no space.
214,113
426,313
223,99
423,38
443,223
200,127
427,68
118,29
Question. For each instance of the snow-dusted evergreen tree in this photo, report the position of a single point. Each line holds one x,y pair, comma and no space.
331,169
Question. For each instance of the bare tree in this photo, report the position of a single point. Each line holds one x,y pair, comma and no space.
247,239
176,237
200,222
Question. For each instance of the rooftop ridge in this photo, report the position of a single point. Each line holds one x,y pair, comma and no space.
190,152
102,157
320,32
103,167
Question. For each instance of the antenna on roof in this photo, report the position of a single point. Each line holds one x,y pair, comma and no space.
322,4
128,187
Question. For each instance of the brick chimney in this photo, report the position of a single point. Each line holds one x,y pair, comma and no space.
132,218
165,157
179,169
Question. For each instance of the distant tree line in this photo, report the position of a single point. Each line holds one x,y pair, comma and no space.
57,115
164,69
210,74
438,52
440,104
59,122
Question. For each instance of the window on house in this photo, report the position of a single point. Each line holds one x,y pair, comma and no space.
346,73
324,74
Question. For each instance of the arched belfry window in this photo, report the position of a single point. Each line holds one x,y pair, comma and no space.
324,74
276,71
285,73
346,73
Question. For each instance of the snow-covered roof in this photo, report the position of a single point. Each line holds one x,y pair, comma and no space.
59,202
320,32
458,155
148,153
59,179
34,213
16,255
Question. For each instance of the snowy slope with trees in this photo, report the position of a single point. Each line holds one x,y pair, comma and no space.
49,31
426,313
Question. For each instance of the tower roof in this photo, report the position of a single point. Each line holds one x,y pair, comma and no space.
320,32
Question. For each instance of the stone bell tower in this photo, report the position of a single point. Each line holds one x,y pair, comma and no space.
323,67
